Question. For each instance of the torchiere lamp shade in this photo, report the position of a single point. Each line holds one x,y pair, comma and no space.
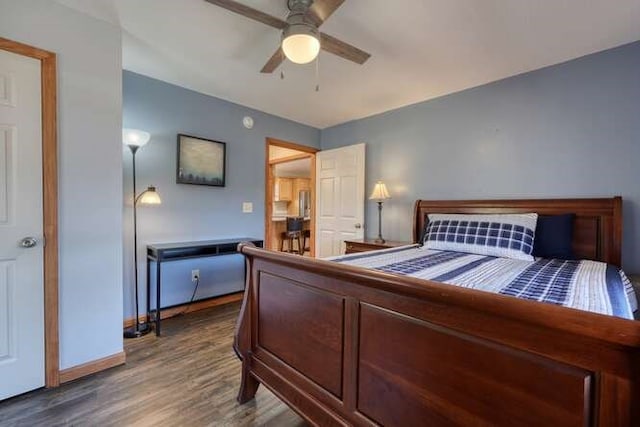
135,137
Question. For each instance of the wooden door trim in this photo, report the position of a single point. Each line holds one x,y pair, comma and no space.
50,201
312,202
291,146
268,194
290,158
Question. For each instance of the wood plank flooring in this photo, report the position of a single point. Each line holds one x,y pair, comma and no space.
187,377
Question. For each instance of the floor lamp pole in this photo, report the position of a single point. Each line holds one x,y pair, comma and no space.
140,328
380,239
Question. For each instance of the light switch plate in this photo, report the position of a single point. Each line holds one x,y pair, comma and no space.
247,207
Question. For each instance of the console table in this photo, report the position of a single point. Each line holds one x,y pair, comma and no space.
164,252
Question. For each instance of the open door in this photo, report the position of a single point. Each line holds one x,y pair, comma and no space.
340,198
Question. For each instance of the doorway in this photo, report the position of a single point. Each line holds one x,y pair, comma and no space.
31,239
290,191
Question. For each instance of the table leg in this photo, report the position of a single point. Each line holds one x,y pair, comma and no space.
158,298
148,320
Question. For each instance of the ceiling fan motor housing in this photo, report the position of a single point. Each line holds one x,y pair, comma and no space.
298,20
299,23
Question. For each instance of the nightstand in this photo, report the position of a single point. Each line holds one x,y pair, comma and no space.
364,245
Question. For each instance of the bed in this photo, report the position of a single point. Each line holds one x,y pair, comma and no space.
580,284
346,345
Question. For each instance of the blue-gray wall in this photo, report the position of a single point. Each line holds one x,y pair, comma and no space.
570,130
193,212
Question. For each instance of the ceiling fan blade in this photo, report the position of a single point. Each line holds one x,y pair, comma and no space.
342,49
274,62
320,10
250,13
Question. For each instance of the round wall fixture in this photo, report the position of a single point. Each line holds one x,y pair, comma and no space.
247,122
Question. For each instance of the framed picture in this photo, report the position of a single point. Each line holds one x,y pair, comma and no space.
200,161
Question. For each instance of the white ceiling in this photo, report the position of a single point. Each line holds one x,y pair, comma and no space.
295,168
421,49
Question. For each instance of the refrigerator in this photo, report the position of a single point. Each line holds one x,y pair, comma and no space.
304,203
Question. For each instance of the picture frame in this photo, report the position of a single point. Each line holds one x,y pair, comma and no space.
201,161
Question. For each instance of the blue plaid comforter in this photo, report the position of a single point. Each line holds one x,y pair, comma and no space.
584,285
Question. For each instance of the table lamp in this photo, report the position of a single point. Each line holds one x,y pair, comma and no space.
380,194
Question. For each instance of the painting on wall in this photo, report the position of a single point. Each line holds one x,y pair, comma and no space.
200,161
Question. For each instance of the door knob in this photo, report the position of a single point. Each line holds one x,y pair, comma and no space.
28,242
358,226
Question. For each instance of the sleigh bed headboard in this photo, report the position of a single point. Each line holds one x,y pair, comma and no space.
597,229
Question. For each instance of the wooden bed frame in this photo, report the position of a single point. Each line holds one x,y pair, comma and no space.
342,345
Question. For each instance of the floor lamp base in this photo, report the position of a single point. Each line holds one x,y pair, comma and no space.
380,240
141,330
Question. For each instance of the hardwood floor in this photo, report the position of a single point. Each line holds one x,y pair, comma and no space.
187,377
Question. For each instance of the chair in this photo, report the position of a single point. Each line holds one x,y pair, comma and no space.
306,241
294,231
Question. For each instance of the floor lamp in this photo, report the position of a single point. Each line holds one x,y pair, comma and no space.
380,194
134,139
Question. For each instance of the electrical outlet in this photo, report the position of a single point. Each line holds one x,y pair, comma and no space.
195,275
247,207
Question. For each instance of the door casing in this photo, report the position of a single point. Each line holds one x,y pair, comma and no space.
50,201
269,181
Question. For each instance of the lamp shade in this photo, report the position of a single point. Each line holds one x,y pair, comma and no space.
300,43
379,192
150,197
135,137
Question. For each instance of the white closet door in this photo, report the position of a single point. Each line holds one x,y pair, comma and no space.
21,246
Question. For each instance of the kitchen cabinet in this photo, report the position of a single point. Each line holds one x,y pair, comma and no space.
302,184
283,191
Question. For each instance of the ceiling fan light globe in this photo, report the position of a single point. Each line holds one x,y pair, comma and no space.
301,48
300,43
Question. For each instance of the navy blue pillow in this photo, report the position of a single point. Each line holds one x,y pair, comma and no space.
424,230
554,234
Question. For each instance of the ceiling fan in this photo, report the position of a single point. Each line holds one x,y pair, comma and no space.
301,40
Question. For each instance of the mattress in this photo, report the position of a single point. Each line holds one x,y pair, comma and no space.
584,285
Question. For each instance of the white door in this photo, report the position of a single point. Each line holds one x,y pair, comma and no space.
21,267
340,198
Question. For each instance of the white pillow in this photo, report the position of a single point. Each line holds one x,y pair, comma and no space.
499,235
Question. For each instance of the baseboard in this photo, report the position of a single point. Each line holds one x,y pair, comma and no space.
92,367
165,313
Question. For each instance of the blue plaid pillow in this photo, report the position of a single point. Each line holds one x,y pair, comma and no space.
500,235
